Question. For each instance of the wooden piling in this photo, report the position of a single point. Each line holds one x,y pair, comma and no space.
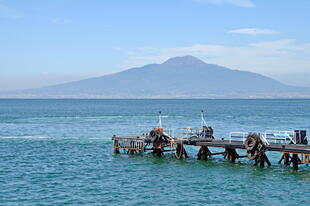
203,153
287,158
231,154
180,152
116,150
295,161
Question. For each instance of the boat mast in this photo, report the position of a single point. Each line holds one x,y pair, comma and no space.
159,120
203,122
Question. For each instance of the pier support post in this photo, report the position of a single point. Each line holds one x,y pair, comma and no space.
295,160
180,152
158,151
262,159
232,155
204,153
286,158
267,160
131,152
116,150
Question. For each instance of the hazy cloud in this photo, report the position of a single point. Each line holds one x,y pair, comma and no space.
240,3
9,13
252,31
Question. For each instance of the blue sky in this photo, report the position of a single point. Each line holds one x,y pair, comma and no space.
54,41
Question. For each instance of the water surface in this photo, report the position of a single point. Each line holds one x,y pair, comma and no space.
59,152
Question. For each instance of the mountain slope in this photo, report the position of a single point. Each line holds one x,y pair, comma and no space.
177,77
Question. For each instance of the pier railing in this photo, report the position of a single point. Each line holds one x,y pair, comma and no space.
269,136
189,132
282,137
238,136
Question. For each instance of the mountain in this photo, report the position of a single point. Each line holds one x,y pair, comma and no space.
182,77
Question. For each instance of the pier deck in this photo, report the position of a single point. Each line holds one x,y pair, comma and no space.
142,143
275,147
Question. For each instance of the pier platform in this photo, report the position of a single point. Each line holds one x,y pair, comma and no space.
292,154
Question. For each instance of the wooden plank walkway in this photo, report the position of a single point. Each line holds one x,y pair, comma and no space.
275,147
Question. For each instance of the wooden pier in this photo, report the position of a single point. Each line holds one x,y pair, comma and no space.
292,154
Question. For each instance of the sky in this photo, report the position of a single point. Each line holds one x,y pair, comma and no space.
55,41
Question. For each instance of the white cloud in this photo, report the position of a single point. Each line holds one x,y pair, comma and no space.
60,21
252,31
239,3
8,13
271,57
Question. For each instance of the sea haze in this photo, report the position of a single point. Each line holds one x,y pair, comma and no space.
179,77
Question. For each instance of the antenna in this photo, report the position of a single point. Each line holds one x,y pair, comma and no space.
203,122
160,121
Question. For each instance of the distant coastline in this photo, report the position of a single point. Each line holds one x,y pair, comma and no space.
152,98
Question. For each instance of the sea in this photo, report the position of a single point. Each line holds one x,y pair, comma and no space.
60,152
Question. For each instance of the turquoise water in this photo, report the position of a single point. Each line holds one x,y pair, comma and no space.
59,152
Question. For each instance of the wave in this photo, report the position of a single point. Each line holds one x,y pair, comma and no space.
24,137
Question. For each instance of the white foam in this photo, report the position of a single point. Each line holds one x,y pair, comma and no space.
24,137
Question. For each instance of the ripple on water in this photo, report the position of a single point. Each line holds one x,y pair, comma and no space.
56,152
